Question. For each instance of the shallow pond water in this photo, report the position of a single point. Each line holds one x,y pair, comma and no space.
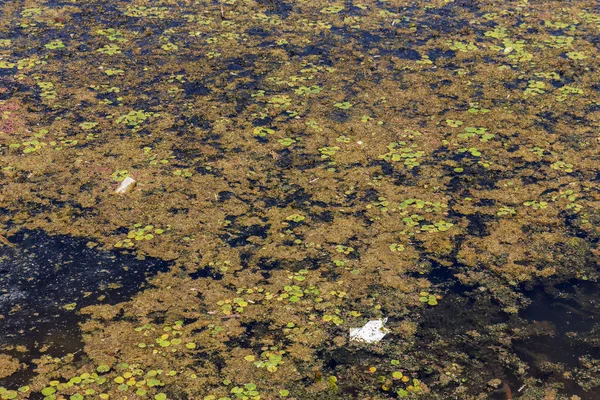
301,167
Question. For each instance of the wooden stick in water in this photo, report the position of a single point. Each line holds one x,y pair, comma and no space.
507,391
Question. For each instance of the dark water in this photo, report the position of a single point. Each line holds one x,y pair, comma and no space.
45,280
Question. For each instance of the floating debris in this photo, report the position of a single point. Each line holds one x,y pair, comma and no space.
126,186
372,332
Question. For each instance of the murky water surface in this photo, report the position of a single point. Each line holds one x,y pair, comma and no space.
302,168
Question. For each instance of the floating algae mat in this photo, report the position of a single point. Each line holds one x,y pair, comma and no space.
301,168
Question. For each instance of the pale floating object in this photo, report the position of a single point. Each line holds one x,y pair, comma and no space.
372,332
125,186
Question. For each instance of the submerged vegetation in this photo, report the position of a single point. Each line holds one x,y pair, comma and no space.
308,166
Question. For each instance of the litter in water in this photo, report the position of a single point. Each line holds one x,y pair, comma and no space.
372,332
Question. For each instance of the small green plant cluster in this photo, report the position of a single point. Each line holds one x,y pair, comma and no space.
119,175
248,391
287,142
293,290
498,32
98,384
33,145
295,218
559,41
425,60
172,337
562,166
431,299
475,108
88,125
382,203
571,197
168,46
516,50
556,24
154,160
567,91
568,194
236,304
332,9
343,106
416,221
299,276
412,220
340,248
471,150
542,205
113,71
538,151
314,125
292,293
185,173
471,131
414,213
280,101
343,139
328,152
139,233
576,55
145,11
417,205
6,394
48,90
439,226
397,247
112,34
55,44
135,118
398,152
261,131
110,49
145,233
427,206
505,210
308,90
270,359
336,319
453,123
535,87
397,381
414,388
29,62
462,46
270,19
548,75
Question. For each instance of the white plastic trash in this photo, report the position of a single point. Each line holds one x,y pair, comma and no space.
372,332
125,186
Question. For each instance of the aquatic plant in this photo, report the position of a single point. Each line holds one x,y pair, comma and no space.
55,44
431,299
